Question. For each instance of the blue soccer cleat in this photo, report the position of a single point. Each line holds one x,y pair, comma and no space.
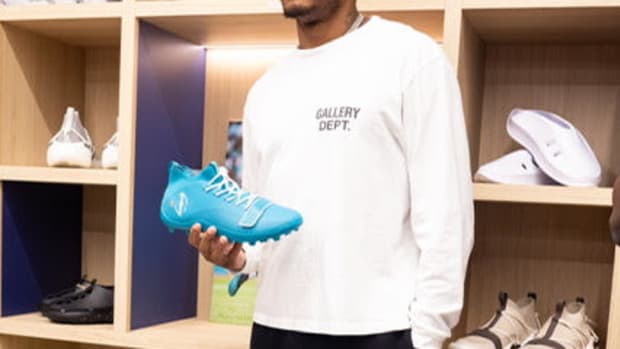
235,284
211,198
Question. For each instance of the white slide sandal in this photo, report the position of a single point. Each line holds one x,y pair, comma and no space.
558,148
517,167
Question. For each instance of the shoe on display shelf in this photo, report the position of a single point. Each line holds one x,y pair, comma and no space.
109,155
517,167
92,304
558,148
52,298
513,323
211,198
71,146
568,328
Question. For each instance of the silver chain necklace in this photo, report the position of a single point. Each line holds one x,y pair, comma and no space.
357,23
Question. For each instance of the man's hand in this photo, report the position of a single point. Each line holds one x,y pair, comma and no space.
217,249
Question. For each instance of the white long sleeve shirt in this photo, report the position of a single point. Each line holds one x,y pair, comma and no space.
365,137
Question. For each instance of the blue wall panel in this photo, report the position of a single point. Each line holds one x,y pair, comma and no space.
41,242
170,117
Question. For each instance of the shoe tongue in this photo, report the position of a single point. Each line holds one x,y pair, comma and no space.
512,306
209,172
574,313
67,122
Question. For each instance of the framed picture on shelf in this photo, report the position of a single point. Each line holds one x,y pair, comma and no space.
234,160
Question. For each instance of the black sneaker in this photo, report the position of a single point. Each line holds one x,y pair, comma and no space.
92,305
52,298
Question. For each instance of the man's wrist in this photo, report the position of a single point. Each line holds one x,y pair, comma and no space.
243,264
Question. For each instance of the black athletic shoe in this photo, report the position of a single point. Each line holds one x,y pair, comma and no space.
52,298
92,305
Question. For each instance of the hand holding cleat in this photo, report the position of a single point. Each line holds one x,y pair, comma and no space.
217,249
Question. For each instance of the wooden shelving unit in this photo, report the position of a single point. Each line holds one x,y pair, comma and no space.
536,4
562,55
58,175
62,11
190,334
554,195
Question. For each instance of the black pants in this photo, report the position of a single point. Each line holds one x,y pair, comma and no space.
271,338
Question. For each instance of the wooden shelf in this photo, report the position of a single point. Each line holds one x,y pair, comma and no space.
78,24
505,23
224,7
187,334
525,4
58,175
556,195
254,22
36,326
62,11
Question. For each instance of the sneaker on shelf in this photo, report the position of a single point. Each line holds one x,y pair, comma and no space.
211,198
568,328
71,146
109,155
558,148
513,323
52,298
517,167
92,304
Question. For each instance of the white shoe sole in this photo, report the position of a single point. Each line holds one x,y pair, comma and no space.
513,168
69,155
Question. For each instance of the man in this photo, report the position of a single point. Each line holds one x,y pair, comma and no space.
360,130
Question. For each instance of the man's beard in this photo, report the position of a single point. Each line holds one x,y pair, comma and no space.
310,15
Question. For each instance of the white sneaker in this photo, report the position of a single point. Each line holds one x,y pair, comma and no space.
558,148
72,145
512,324
569,328
109,156
517,167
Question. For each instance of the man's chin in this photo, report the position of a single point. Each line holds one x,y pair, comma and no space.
298,12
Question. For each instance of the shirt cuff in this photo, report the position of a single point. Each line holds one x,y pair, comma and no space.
425,342
251,261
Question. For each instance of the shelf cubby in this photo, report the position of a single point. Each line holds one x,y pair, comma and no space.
560,252
51,235
48,65
550,239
